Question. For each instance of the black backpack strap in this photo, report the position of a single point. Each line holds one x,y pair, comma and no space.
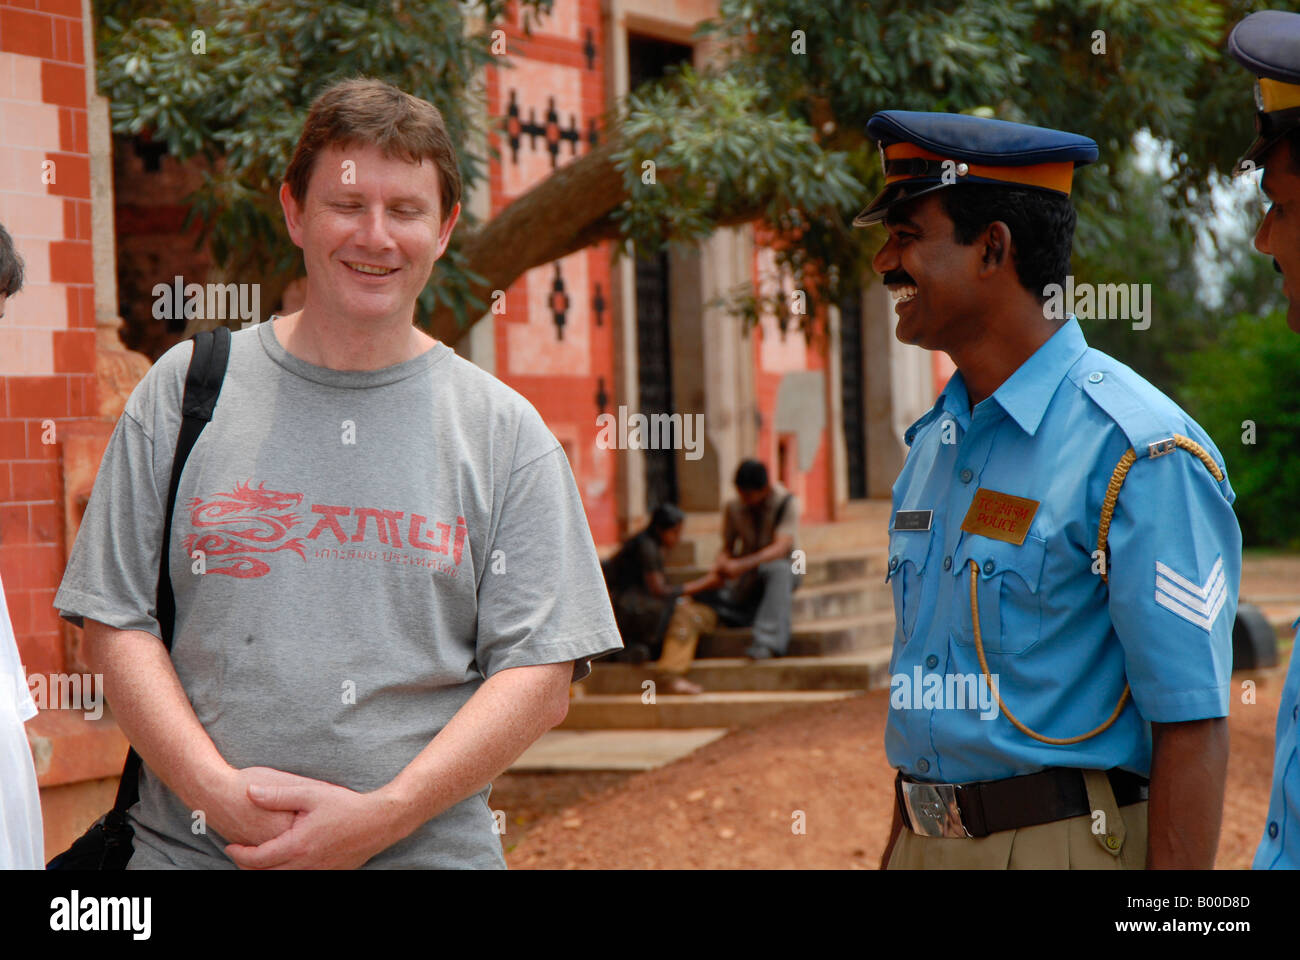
202,387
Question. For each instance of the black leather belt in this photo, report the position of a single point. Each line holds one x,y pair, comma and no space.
991,806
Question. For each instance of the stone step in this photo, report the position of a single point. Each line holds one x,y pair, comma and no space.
843,599
627,711
851,672
697,550
560,751
863,524
822,568
817,638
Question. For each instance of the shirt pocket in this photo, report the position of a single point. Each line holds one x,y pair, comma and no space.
907,555
1007,587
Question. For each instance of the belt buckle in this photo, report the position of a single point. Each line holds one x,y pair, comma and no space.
932,809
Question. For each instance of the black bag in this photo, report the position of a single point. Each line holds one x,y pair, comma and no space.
108,844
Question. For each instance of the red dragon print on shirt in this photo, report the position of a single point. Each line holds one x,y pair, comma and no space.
254,521
251,522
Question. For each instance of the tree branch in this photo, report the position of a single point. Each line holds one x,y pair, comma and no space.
553,219
568,211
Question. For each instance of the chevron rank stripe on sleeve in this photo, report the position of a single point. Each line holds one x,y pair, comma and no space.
1197,604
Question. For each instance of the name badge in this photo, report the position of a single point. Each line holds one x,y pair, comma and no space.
1000,516
913,519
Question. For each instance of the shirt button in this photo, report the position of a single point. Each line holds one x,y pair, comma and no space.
932,661
893,563
1272,829
1095,377
924,766
989,566
947,563
966,475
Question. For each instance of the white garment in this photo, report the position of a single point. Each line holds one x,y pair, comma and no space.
22,836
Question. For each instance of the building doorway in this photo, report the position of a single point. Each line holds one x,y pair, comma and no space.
650,58
853,398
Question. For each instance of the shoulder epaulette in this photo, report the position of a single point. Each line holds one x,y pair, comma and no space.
1148,428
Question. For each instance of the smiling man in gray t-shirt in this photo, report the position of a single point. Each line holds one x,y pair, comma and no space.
383,573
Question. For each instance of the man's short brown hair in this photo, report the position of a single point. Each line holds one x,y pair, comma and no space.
364,110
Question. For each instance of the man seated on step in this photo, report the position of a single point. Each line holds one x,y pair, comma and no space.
759,531
652,614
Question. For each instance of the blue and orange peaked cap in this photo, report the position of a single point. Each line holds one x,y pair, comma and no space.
1267,44
923,152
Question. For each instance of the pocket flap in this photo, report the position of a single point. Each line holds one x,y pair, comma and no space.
908,546
996,557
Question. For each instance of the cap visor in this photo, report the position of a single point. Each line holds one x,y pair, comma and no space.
1259,148
893,194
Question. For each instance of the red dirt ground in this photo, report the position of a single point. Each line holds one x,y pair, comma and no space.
732,803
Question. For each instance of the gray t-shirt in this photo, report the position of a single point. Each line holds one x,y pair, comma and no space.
376,544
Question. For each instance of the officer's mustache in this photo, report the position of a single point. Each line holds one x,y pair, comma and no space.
892,277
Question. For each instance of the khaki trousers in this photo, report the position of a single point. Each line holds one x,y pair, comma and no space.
1069,844
689,621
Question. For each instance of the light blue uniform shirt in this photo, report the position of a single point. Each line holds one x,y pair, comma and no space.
1280,847
1059,640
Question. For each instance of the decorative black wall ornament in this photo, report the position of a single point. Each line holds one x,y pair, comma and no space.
782,313
559,303
550,131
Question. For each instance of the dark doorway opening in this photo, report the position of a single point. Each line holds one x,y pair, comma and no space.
650,58
853,394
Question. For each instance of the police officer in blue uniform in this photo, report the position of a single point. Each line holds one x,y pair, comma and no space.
1268,44
1063,551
